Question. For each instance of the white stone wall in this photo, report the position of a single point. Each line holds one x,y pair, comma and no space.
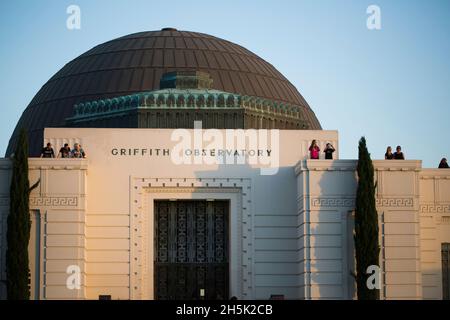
60,199
291,233
326,201
398,209
266,263
434,227
59,204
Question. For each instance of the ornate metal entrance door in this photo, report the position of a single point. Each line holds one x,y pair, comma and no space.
191,249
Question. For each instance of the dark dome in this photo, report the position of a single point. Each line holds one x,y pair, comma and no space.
136,62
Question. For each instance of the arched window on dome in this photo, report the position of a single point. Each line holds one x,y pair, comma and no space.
170,100
101,107
180,101
127,102
191,101
200,101
161,100
210,101
107,107
150,100
230,101
221,101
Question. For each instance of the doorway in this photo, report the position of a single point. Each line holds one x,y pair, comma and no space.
191,246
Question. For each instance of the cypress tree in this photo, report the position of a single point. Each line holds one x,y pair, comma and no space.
19,224
366,224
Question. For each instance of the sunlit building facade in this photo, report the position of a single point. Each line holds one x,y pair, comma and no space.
198,184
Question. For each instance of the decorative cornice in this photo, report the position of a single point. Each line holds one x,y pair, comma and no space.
57,164
192,190
180,99
397,165
54,201
435,174
325,165
351,165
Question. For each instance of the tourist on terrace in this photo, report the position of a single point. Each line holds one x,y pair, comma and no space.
329,149
389,155
47,152
64,152
443,164
398,155
314,150
77,151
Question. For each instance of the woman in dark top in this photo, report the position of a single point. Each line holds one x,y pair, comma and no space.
443,164
389,155
398,155
329,149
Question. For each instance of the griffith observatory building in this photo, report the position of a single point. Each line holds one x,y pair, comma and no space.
198,184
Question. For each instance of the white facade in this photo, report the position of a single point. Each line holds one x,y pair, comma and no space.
290,232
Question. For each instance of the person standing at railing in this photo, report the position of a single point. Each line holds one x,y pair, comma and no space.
443,164
329,149
314,150
389,155
398,154
47,152
77,151
64,152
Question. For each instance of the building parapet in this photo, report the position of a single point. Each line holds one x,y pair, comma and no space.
350,165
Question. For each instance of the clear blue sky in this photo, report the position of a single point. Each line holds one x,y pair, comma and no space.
391,85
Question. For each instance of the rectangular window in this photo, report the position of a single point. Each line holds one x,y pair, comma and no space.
445,271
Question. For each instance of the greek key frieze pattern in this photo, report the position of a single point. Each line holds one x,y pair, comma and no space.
350,202
395,202
54,201
430,208
332,202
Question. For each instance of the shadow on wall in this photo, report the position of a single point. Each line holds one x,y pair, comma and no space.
331,231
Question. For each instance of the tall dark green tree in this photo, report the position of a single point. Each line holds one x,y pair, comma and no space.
366,224
19,224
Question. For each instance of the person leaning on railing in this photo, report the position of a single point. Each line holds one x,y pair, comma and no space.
77,151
